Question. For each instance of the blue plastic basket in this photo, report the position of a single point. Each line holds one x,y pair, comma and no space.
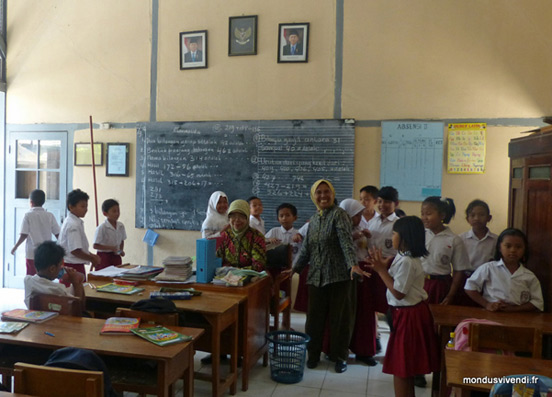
287,353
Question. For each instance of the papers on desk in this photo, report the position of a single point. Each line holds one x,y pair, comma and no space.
234,277
110,271
135,273
11,327
31,316
119,289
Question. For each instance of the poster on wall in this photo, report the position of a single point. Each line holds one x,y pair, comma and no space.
466,148
412,158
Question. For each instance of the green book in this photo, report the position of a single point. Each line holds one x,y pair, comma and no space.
119,289
160,335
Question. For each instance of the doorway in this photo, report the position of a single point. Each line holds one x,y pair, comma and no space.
35,160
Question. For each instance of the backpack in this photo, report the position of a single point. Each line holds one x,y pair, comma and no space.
155,305
82,359
462,337
528,385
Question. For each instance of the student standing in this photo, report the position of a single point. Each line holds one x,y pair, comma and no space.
413,347
110,236
445,249
37,226
217,215
505,284
72,236
256,209
369,199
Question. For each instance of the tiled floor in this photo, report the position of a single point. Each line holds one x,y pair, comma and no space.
358,380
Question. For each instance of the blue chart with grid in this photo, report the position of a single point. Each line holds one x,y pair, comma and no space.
179,165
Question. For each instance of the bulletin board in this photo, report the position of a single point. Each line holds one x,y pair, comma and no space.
467,144
412,158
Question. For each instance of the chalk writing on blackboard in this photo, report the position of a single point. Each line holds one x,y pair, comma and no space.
412,158
180,164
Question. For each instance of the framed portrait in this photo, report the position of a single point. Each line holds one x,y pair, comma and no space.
242,35
293,42
193,50
117,159
83,153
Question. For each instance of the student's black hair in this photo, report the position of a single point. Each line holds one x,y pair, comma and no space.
109,203
444,206
47,254
371,190
477,203
400,213
38,197
512,232
389,193
412,234
289,206
250,199
75,196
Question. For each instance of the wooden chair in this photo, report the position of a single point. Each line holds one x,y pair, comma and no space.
69,305
38,380
278,259
148,317
500,337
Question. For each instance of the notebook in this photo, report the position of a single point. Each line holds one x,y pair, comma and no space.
119,289
160,335
31,316
119,326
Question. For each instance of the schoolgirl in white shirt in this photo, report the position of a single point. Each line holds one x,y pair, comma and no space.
479,240
505,284
217,215
445,249
413,348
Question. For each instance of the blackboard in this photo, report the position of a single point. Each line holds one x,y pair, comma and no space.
179,165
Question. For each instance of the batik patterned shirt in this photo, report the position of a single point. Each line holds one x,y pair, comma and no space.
247,251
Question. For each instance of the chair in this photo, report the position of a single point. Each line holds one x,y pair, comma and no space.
38,380
148,317
500,337
69,305
278,259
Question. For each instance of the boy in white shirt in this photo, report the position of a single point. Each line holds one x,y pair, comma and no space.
256,209
287,215
72,237
110,236
49,266
37,226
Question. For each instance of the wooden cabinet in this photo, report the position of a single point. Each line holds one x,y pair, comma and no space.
530,201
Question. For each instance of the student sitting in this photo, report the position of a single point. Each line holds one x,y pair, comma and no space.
49,266
505,284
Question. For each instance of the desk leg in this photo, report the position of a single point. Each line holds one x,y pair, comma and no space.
234,357
215,354
188,377
439,384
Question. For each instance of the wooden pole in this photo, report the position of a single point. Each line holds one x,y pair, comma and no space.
94,170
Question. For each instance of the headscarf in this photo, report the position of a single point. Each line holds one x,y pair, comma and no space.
315,186
352,207
214,220
242,207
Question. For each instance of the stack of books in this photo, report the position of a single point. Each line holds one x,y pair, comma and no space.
140,273
177,268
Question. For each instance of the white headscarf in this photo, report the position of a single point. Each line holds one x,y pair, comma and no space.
352,207
214,222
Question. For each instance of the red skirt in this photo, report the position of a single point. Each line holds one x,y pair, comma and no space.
437,289
363,341
302,297
109,259
31,269
413,347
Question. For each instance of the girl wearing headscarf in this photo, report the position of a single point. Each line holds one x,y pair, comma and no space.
217,215
328,248
241,245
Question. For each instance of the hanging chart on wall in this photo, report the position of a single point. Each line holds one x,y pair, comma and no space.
412,158
179,165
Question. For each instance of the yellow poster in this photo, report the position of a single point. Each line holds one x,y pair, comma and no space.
466,148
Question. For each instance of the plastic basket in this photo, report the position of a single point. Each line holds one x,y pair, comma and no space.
287,352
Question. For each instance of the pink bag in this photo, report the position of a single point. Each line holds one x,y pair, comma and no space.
462,337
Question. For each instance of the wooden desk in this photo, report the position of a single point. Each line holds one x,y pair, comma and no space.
173,361
460,365
6,394
253,322
447,317
219,310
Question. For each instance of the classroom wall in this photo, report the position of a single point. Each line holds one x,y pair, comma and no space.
430,59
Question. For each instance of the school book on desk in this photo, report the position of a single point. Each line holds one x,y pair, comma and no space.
119,326
160,335
11,327
31,316
119,289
